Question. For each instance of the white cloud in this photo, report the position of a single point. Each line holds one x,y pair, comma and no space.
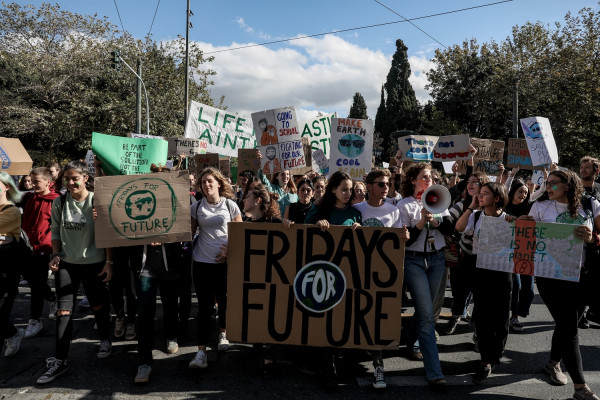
419,66
310,73
242,24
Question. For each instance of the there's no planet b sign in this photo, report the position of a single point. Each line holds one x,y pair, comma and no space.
319,286
142,209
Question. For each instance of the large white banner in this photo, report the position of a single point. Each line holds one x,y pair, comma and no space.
351,146
318,132
219,131
540,140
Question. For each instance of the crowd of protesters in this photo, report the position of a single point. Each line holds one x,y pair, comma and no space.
53,208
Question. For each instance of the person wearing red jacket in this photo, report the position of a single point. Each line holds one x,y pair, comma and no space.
37,206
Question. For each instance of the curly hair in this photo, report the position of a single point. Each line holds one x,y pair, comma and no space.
159,168
225,189
327,202
408,189
268,206
574,190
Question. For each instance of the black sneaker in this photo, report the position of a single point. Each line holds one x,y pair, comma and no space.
54,368
484,371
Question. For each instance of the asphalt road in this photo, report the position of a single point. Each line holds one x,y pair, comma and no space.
236,373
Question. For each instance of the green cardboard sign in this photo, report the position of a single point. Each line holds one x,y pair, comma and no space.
128,156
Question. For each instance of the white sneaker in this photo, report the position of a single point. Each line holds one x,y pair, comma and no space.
33,328
52,310
172,347
200,361
143,374
223,342
14,343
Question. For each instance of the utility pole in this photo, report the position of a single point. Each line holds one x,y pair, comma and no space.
516,110
116,64
187,63
138,99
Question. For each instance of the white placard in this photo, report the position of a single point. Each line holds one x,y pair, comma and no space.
351,146
540,141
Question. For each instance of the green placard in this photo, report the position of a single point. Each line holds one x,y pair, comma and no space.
127,156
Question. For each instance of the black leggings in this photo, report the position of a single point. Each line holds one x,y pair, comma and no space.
124,281
210,282
36,273
67,280
9,288
562,298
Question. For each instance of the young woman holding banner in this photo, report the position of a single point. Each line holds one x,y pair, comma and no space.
562,203
210,217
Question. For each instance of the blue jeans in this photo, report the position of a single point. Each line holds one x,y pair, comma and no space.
423,285
522,295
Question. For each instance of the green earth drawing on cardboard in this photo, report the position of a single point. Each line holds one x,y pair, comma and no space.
351,145
140,205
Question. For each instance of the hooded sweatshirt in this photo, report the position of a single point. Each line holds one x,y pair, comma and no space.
37,210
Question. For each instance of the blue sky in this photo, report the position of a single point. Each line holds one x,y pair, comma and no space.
321,73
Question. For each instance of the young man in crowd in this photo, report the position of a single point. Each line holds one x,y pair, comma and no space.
37,206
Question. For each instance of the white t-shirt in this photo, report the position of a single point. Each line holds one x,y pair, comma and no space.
473,228
410,215
212,227
394,200
385,215
553,211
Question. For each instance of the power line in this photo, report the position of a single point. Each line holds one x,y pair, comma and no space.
410,22
119,14
152,24
360,27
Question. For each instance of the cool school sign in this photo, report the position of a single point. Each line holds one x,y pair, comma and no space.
303,286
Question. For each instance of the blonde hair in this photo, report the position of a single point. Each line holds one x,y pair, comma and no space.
12,194
225,189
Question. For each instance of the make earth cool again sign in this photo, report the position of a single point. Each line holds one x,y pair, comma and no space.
134,211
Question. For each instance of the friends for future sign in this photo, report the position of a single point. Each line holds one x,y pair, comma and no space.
304,286
318,133
142,209
219,131
540,140
127,156
434,148
279,139
543,249
351,146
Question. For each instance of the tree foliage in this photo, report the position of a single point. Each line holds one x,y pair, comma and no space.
557,70
57,84
358,109
401,109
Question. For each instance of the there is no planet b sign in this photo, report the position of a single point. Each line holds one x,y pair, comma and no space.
319,286
134,210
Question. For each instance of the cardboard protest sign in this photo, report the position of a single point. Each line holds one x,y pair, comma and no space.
279,139
518,155
186,146
318,132
320,163
248,160
89,159
540,140
351,146
434,148
307,159
14,159
219,131
224,166
142,209
488,158
448,167
550,250
127,156
202,161
304,286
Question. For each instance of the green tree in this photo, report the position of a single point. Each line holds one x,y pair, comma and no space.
358,109
401,106
57,84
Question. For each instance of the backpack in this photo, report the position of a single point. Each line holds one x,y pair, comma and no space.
23,245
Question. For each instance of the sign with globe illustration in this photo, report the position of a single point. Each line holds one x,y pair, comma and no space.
142,209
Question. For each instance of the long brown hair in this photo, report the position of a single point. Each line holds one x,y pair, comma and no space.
574,190
408,189
225,189
268,206
290,188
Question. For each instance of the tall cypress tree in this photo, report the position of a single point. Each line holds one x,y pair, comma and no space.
358,109
401,106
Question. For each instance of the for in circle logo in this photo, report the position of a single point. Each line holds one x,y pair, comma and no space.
319,286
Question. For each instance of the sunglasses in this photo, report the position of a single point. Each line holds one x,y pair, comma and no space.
382,184
552,183
359,144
